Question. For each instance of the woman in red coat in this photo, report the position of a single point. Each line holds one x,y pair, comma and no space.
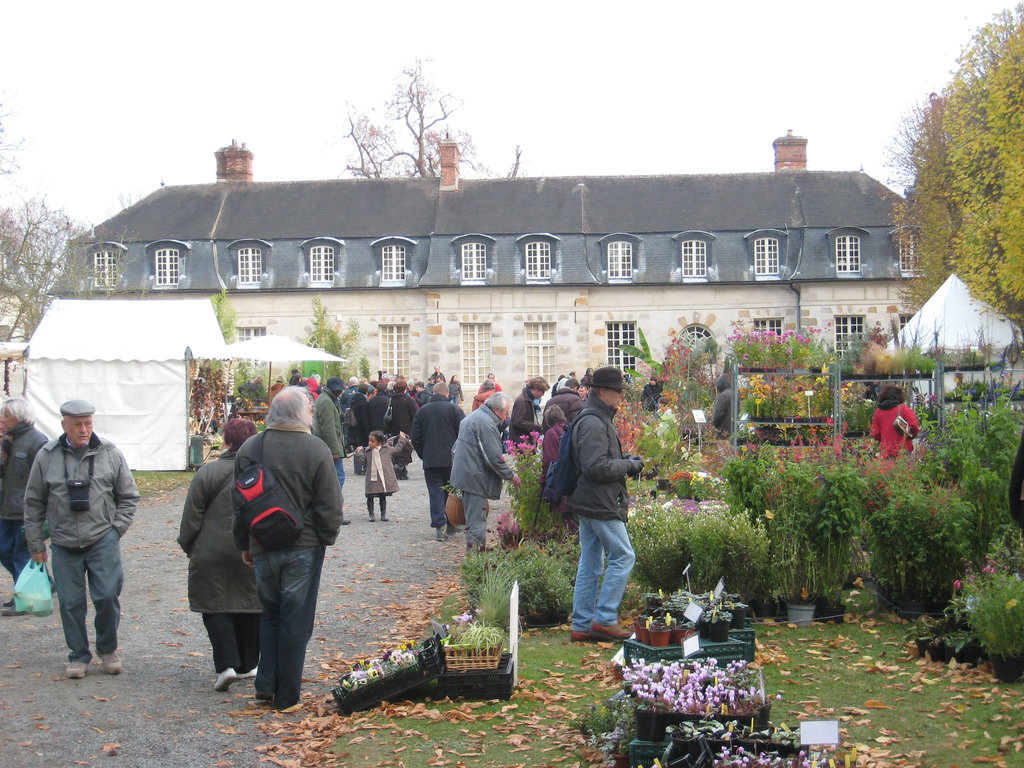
884,427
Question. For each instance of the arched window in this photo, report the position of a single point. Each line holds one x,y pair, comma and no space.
620,260
167,267
474,262
766,256
392,264
321,265
696,335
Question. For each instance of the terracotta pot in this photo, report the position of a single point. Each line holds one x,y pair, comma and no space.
660,637
679,634
641,633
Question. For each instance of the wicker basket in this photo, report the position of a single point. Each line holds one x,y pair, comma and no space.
458,659
454,510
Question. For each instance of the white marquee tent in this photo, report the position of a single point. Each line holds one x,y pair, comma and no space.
130,360
953,319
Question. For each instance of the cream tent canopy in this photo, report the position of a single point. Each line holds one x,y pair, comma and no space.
130,360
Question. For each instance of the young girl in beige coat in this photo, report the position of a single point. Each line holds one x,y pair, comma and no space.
380,470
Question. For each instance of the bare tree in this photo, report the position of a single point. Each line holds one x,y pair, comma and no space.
513,172
41,255
7,149
407,143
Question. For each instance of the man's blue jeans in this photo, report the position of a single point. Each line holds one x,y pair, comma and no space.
435,478
101,564
592,604
339,467
13,553
288,581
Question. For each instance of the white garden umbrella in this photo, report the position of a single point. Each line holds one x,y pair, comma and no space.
278,349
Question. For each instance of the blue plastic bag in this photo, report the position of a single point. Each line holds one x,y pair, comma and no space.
32,592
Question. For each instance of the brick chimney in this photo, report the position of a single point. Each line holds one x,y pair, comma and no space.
234,163
449,165
790,152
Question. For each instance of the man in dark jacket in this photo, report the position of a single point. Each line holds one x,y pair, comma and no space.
651,394
358,436
21,443
327,426
378,407
601,503
434,431
524,411
568,399
289,578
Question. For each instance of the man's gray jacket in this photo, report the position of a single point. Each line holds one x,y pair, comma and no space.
477,462
601,489
113,495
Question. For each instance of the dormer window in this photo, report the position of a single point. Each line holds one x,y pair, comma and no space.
766,257
847,254
620,260
106,265
474,262
695,258
250,266
167,262
538,261
392,264
321,265
906,252
105,268
249,255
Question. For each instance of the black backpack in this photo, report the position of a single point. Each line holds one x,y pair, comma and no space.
560,480
262,507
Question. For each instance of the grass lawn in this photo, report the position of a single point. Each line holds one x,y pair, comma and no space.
895,710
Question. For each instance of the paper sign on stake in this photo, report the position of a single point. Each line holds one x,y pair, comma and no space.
693,612
686,573
691,645
698,416
719,588
513,631
819,732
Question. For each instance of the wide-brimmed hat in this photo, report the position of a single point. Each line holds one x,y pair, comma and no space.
608,378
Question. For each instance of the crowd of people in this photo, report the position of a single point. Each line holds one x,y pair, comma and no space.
258,605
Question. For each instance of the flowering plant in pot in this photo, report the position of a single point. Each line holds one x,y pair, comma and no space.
608,728
696,688
995,611
370,671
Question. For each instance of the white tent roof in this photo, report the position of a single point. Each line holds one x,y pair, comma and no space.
953,319
100,329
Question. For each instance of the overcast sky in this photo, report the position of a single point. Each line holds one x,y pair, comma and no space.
113,99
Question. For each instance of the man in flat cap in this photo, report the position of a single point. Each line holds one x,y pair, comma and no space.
82,486
327,426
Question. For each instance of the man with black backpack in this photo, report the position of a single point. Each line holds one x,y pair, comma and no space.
288,572
601,503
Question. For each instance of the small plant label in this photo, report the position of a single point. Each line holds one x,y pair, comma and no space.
819,732
513,634
693,612
691,645
698,416
719,588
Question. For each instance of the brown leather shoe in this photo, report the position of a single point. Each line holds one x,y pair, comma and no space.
609,633
581,637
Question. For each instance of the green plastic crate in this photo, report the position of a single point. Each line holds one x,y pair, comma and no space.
730,650
746,636
644,752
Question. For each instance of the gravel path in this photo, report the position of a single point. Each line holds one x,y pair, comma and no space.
162,711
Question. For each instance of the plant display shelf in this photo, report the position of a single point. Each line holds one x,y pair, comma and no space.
430,664
836,379
478,684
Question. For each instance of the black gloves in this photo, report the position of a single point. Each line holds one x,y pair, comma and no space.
636,467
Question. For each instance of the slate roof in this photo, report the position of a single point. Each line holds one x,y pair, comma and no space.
356,208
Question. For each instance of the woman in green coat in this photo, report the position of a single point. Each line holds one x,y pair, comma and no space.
220,586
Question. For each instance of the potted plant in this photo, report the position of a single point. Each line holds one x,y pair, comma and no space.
472,644
609,728
995,609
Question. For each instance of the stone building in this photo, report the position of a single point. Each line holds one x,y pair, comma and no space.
523,277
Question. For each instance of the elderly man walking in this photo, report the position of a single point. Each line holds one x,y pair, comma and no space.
600,501
82,486
21,443
478,466
288,579
435,427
